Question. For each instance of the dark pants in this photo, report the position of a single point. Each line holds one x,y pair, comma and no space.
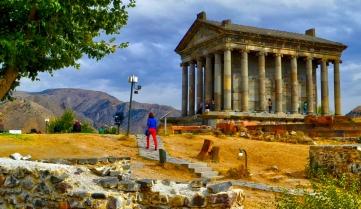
269,109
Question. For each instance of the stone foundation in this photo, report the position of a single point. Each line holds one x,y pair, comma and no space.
336,159
30,185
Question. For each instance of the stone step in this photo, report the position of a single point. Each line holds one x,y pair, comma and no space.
200,169
207,174
196,165
177,161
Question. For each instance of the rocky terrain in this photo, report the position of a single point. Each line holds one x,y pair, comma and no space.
27,184
29,109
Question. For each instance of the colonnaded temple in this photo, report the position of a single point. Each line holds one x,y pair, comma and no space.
241,68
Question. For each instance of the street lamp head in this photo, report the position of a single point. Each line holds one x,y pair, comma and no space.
47,120
133,79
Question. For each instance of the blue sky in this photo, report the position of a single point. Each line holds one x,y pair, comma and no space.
155,28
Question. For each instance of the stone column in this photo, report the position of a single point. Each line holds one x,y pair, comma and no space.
337,87
244,81
208,79
278,83
309,86
217,81
199,83
324,88
227,81
236,91
261,81
315,97
294,86
184,89
192,83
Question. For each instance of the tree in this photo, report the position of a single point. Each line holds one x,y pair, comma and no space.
47,35
63,124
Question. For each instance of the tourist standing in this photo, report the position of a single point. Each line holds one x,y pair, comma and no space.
305,107
269,105
152,129
212,106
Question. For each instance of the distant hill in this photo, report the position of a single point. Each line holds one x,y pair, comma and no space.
30,109
355,112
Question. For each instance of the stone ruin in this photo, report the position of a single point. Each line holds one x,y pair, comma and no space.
102,183
336,159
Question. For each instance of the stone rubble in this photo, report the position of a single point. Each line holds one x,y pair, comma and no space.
336,159
18,156
30,185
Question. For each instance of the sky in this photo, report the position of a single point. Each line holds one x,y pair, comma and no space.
155,28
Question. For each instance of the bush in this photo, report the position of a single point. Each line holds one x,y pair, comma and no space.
86,127
328,193
108,130
64,124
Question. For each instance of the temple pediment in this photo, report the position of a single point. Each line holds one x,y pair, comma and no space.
198,33
203,34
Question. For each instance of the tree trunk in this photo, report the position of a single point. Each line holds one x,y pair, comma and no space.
215,154
7,79
203,154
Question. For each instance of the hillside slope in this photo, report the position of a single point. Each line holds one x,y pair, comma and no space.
22,114
355,112
95,106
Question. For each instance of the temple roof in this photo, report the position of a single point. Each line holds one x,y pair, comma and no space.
231,27
275,33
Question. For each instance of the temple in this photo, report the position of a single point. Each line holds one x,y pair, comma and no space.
247,70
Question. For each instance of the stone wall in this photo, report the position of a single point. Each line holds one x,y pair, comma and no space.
30,185
336,159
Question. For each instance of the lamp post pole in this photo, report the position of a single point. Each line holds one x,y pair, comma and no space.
132,80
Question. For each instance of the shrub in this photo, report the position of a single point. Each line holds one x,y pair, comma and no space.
64,124
328,193
86,127
108,130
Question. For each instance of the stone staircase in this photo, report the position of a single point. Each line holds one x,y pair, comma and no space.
201,169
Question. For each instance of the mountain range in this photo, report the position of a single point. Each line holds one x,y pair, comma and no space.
30,109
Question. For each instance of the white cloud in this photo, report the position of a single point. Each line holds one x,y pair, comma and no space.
137,49
351,66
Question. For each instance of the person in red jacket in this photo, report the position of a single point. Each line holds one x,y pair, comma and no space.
152,130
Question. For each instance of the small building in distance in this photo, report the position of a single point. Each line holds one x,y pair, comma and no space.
246,70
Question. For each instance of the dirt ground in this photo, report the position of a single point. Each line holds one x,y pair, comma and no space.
45,146
256,199
274,163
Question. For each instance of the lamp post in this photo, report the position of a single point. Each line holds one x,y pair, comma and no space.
132,80
242,153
